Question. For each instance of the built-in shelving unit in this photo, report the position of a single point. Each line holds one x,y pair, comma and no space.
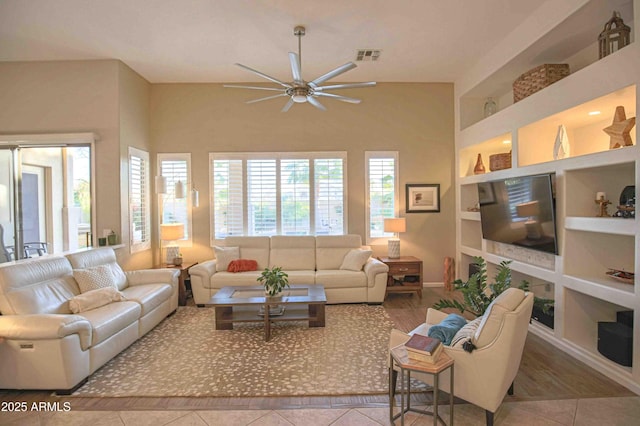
589,245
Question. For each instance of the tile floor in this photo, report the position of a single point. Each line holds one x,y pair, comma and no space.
623,411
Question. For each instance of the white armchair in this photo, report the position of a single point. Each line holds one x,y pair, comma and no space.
485,375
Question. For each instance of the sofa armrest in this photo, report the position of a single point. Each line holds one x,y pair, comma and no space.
434,316
374,267
45,326
204,270
153,276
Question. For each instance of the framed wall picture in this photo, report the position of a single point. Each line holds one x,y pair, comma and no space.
423,198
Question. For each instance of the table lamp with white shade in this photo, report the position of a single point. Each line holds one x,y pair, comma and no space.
171,232
395,225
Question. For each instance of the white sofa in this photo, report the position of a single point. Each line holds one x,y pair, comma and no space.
43,345
306,259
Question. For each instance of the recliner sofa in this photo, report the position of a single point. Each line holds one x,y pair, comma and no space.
306,259
43,345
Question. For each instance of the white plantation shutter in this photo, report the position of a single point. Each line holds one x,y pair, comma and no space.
278,193
176,167
382,184
329,196
228,196
139,201
295,197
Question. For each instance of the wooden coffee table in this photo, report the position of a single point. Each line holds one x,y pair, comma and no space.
249,304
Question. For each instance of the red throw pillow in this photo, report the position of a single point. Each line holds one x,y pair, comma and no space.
242,265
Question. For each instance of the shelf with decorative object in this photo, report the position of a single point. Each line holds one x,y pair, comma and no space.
551,131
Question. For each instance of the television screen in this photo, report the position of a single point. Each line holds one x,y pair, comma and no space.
520,211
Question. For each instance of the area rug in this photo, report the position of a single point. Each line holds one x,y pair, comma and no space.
185,356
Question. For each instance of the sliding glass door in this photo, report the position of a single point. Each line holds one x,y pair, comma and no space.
45,198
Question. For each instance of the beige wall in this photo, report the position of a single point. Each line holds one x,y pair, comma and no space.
133,114
69,97
414,119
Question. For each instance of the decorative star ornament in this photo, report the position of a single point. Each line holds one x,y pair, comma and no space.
620,129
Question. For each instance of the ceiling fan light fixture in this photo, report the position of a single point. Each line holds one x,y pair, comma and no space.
299,94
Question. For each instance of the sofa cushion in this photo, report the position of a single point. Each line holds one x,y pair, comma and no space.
149,296
355,259
465,333
223,279
341,279
110,319
224,256
256,248
492,319
94,299
293,253
302,277
100,276
331,250
96,257
37,286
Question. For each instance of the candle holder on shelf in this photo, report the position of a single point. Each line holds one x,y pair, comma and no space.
603,206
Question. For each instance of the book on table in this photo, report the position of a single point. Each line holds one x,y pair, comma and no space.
423,348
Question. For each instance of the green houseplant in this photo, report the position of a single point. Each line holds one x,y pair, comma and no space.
477,294
274,280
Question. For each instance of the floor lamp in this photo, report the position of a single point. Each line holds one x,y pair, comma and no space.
171,232
395,225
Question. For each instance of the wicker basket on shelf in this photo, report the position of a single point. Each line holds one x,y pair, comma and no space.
537,79
500,161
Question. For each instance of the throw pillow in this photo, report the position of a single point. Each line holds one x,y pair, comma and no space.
242,265
355,259
94,299
224,256
447,328
466,333
94,278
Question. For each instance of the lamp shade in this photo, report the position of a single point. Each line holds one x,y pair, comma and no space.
531,208
171,231
395,224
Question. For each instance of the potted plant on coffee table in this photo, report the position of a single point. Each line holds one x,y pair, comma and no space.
274,281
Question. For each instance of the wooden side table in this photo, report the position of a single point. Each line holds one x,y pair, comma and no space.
184,274
403,266
399,358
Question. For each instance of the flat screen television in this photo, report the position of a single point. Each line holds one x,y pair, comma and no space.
520,211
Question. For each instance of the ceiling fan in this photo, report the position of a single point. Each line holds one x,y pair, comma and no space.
299,90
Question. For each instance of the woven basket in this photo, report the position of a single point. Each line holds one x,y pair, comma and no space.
500,161
538,78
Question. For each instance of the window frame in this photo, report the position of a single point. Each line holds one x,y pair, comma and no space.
145,243
368,156
278,156
164,198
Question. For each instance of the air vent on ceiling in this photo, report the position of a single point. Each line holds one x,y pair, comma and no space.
368,55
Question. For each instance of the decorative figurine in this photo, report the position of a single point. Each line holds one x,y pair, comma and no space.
603,205
620,129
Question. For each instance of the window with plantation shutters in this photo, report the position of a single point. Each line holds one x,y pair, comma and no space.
139,199
382,191
176,168
278,193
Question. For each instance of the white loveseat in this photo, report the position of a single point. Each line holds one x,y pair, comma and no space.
43,345
306,259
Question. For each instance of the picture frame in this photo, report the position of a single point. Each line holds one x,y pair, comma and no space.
423,197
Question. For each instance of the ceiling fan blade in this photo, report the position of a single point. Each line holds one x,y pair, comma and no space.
313,101
267,98
263,75
339,97
345,86
288,105
296,70
253,87
333,73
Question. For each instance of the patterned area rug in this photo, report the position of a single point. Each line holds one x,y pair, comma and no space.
186,356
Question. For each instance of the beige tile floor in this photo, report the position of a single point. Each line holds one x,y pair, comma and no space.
623,411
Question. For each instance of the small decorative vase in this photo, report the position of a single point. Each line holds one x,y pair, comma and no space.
177,261
561,147
490,107
479,168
